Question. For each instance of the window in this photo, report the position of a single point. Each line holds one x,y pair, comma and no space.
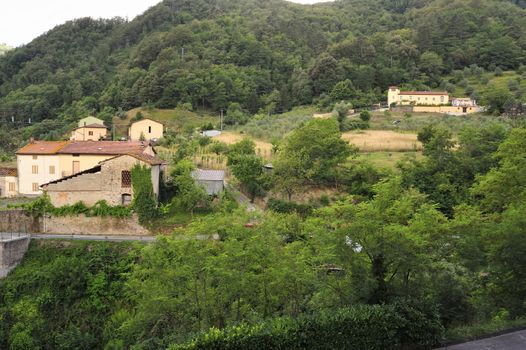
441,98
90,133
149,130
126,199
125,179
12,187
35,187
35,157
52,169
34,169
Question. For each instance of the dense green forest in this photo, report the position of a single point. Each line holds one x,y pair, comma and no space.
251,55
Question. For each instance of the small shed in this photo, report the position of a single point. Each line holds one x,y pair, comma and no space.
212,180
210,133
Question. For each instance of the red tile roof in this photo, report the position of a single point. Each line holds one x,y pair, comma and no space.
146,158
8,172
423,93
42,147
104,147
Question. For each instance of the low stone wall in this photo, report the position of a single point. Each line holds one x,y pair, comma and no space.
12,251
93,225
17,221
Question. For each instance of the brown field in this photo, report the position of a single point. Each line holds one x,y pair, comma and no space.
381,140
262,148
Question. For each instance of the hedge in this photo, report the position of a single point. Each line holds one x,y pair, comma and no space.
367,327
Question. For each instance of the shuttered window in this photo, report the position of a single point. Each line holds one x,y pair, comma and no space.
126,179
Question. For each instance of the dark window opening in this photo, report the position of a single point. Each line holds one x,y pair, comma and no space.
126,179
149,130
126,199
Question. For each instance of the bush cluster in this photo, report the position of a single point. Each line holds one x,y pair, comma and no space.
401,325
281,206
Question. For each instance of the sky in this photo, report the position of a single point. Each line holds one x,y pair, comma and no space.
23,20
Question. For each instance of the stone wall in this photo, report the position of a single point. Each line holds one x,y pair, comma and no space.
12,251
16,221
82,225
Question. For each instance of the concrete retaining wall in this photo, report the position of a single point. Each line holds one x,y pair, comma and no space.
17,221
12,251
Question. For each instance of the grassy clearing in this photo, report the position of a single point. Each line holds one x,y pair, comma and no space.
173,119
387,160
382,140
276,126
481,330
416,121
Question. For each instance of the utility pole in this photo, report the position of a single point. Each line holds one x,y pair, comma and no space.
221,119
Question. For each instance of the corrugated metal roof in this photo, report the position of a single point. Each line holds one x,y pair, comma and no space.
8,172
208,175
42,147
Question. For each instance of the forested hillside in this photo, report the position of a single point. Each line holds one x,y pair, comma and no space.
253,55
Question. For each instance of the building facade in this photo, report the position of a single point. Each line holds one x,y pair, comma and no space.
145,130
8,182
395,97
92,132
41,162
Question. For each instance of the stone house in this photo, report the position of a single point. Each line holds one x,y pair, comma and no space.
91,132
213,181
41,162
145,129
110,181
8,182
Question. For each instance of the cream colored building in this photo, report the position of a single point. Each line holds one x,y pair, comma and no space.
90,121
42,162
92,132
37,163
395,97
145,129
8,182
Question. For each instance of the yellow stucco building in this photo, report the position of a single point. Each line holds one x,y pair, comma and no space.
92,132
145,129
395,97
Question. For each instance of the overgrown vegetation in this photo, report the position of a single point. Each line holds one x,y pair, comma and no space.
42,205
144,199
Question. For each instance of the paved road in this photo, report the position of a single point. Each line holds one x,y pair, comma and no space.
95,238
509,341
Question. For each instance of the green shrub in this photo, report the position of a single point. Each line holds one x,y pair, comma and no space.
280,206
398,326
144,202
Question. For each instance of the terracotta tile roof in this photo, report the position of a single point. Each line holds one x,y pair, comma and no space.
42,147
148,159
104,147
423,93
8,172
97,126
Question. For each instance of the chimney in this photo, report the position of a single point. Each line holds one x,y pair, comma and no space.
31,139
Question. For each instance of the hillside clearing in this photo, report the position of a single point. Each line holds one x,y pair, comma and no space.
381,140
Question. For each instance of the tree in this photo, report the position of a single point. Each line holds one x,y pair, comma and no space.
248,169
144,200
325,73
188,195
365,116
342,109
343,90
310,154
